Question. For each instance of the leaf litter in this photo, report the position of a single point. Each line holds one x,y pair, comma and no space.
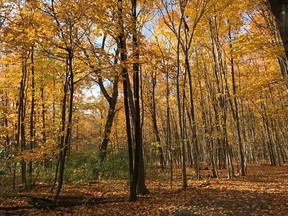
264,191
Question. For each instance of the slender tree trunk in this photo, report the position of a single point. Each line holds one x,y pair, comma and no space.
32,113
136,84
242,168
269,143
211,130
123,56
108,127
168,129
20,137
66,124
7,138
180,113
47,162
222,89
193,120
154,123
112,101
180,117
207,131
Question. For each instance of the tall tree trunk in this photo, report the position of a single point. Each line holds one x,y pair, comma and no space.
195,149
222,90
180,120
111,99
268,140
207,131
242,168
47,162
136,85
141,186
32,113
216,121
154,122
7,147
168,129
279,9
20,137
123,56
109,121
66,124
180,113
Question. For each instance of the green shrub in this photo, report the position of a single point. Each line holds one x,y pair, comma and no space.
79,166
6,179
154,172
85,166
115,166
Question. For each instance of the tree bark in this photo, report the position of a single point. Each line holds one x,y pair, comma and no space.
136,86
20,137
32,113
279,9
66,124
242,168
123,56
154,122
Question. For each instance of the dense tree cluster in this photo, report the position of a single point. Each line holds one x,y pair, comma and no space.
183,82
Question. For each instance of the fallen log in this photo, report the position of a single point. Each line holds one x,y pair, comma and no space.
45,203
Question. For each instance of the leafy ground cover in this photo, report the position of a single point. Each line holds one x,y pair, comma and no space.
263,192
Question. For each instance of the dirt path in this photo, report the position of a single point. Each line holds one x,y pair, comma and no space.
263,192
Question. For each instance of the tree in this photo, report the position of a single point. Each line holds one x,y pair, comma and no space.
202,76
279,9
69,32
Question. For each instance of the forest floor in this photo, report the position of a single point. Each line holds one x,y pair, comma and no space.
264,191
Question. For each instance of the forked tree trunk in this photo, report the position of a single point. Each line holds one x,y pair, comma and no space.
109,120
112,101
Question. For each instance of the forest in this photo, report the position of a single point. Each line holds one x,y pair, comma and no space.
143,107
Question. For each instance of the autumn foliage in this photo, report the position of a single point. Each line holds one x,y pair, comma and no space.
129,90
